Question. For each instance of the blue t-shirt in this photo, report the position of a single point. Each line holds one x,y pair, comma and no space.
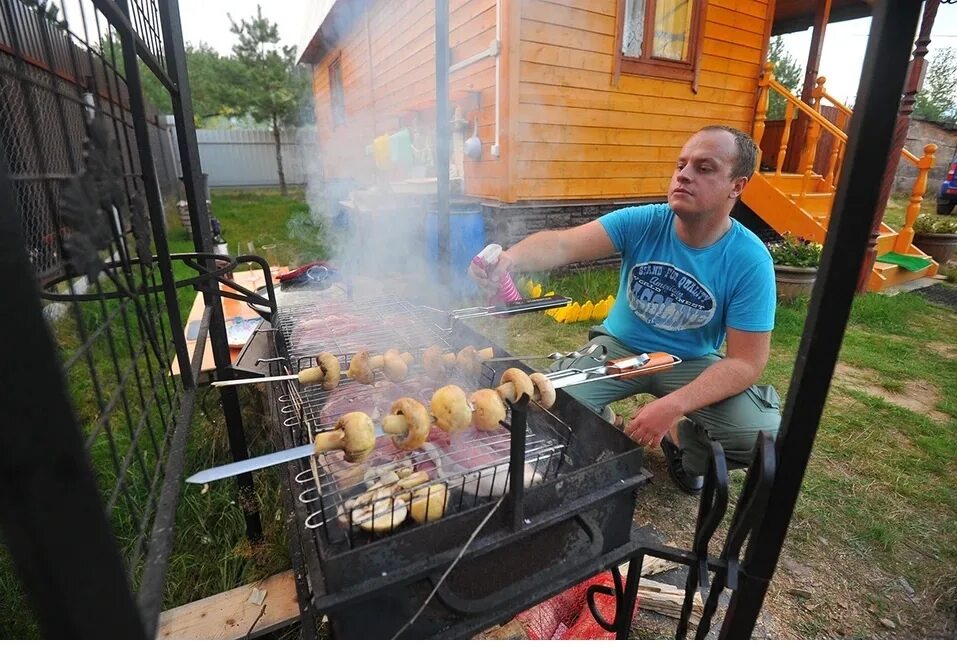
680,299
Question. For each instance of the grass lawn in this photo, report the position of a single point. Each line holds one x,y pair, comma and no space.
879,500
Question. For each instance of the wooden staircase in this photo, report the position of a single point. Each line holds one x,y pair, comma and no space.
800,203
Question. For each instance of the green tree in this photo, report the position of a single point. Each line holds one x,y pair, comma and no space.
269,86
788,73
210,74
937,101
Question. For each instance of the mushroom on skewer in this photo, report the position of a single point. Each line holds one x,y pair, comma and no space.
360,369
354,433
515,382
408,424
488,409
451,409
544,390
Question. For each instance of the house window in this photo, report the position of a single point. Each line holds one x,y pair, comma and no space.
337,98
660,38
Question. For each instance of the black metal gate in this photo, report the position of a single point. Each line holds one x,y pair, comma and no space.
96,422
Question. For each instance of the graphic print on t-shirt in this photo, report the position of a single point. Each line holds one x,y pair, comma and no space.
669,298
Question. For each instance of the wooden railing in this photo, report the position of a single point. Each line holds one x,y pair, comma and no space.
817,124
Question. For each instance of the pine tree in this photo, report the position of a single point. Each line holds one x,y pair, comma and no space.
269,87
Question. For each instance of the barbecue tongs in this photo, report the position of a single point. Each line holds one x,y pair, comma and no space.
621,368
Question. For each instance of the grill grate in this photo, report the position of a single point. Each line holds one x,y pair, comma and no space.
344,328
468,469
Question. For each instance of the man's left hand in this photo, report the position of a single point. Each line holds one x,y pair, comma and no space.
652,421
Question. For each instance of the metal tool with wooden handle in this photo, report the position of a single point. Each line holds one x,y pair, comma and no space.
620,368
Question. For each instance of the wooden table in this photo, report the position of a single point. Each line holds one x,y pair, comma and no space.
232,308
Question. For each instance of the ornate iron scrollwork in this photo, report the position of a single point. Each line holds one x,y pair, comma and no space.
95,209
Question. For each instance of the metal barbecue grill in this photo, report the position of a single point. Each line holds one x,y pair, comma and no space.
572,505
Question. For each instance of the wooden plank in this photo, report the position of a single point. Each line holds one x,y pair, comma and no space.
576,98
725,16
567,17
468,30
604,7
684,117
542,152
557,133
536,93
732,35
577,169
232,615
567,77
756,8
717,49
566,57
534,31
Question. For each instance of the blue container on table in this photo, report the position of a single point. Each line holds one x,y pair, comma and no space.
466,239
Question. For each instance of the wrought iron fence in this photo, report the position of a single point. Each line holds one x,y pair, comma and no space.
96,420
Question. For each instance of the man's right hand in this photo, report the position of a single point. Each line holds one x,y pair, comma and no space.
488,278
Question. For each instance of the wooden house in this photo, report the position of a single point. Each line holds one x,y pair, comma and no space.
583,105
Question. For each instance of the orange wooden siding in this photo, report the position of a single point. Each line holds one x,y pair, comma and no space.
388,73
579,136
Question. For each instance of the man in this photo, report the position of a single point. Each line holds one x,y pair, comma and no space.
691,278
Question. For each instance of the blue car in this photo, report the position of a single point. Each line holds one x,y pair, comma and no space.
947,196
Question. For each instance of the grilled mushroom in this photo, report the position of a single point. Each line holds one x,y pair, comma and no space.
354,433
465,360
394,367
451,408
488,409
544,391
432,361
408,424
360,369
382,516
331,370
428,503
515,382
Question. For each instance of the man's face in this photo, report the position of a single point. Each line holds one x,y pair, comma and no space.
701,184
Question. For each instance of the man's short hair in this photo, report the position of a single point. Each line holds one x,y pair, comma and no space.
747,151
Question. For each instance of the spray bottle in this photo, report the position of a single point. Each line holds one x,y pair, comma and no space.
486,259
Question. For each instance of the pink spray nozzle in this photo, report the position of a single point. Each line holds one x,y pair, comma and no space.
487,258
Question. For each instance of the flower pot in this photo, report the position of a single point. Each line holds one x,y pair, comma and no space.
939,246
793,282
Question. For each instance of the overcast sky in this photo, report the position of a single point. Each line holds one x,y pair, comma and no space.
843,57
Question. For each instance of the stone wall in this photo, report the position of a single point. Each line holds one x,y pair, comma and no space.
919,134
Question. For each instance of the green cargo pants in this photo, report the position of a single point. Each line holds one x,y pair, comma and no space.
733,422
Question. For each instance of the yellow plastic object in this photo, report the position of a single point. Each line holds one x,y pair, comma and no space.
586,311
536,291
559,313
601,310
573,312
549,293
381,152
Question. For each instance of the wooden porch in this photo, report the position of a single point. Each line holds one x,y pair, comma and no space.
799,168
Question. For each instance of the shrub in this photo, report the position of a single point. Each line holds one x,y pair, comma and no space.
928,224
796,252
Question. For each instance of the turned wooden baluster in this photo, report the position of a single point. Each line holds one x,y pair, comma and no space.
810,144
832,164
785,136
761,110
924,165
